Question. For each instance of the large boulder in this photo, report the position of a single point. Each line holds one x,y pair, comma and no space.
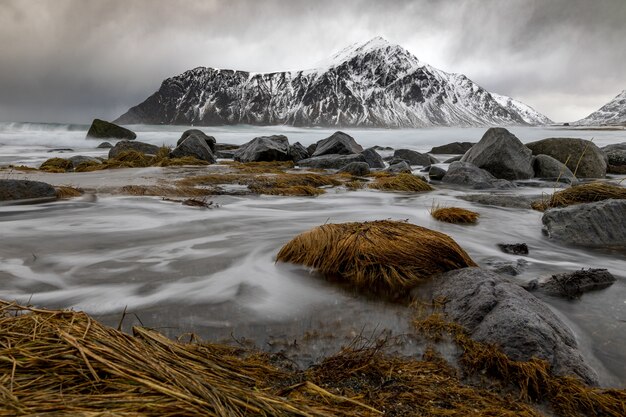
502,200
581,156
358,169
453,148
412,157
616,158
264,148
104,145
373,158
494,310
25,190
331,161
298,152
126,145
469,175
399,167
196,146
210,140
548,168
338,143
436,173
502,154
599,224
82,159
101,129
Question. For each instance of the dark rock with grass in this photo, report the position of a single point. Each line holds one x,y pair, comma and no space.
469,175
599,224
298,152
502,154
101,129
331,161
13,190
264,149
358,169
126,145
581,156
81,159
338,143
573,284
548,168
436,173
373,158
399,167
104,145
453,148
412,157
502,200
210,140
195,145
494,310
514,248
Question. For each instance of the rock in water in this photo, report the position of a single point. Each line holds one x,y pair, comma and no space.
104,145
25,190
501,154
298,152
514,248
548,168
81,159
373,158
469,175
210,140
574,284
264,149
101,129
599,224
331,161
196,146
453,148
126,145
338,143
581,156
399,167
496,311
412,157
358,169
436,173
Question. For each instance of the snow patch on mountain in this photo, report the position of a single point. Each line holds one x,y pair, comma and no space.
612,113
530,115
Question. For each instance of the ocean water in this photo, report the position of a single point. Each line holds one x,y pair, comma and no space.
213,272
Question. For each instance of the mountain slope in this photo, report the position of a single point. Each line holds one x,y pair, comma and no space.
374,84
612,113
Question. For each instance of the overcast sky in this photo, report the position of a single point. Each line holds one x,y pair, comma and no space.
73,60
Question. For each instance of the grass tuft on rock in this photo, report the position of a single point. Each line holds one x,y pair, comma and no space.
401,182
56,165
582,193
454,215
382,257
64,191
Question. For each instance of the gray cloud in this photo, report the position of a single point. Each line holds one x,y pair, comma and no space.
72,60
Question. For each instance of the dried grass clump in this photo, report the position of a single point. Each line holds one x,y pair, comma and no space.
401,182
64,191
383,257
583,193
272,167
164,191
454,215
293,190
56,165
22,168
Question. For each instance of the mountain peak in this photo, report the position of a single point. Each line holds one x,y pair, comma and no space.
377,44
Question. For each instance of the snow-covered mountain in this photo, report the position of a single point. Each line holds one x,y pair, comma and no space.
612,113
372,84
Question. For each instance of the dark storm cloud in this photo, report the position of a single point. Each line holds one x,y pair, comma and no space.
71,60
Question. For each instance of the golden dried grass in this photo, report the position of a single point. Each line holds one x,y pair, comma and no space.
401,182
384,257
164,191
64,191
56,165
454,215
582,193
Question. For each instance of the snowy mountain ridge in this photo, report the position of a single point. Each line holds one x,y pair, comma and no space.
612,113
371,84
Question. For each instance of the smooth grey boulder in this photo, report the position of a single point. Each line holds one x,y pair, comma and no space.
433,160
196,146
502,154
616,158
298,152
311,148
373,158
101,129
104,145
412,157
599,224
581,156
126,145
399,167
25,190
453,159
210,140
358,169
548,168
338,143
436,173
453,148
264,148
502,200
80,159
331,161
573,284
494,310
469,175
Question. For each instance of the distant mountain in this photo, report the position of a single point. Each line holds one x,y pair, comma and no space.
612,113
373,84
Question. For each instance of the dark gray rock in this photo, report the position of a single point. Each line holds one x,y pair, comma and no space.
436,173
126,145
358,169
194,145
101,129
383,148
599,224
62,150
392,160
331,161
507,267
13,190
412,157
225,154
501,154
494,310
616,158
298,152
311,148
210,140
80,159
453,159
548,168
453,148
104,145
514,248
264,148
433,160
226,147
502,200
469,175
399,167
338,143
591,161
373,158
573,284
